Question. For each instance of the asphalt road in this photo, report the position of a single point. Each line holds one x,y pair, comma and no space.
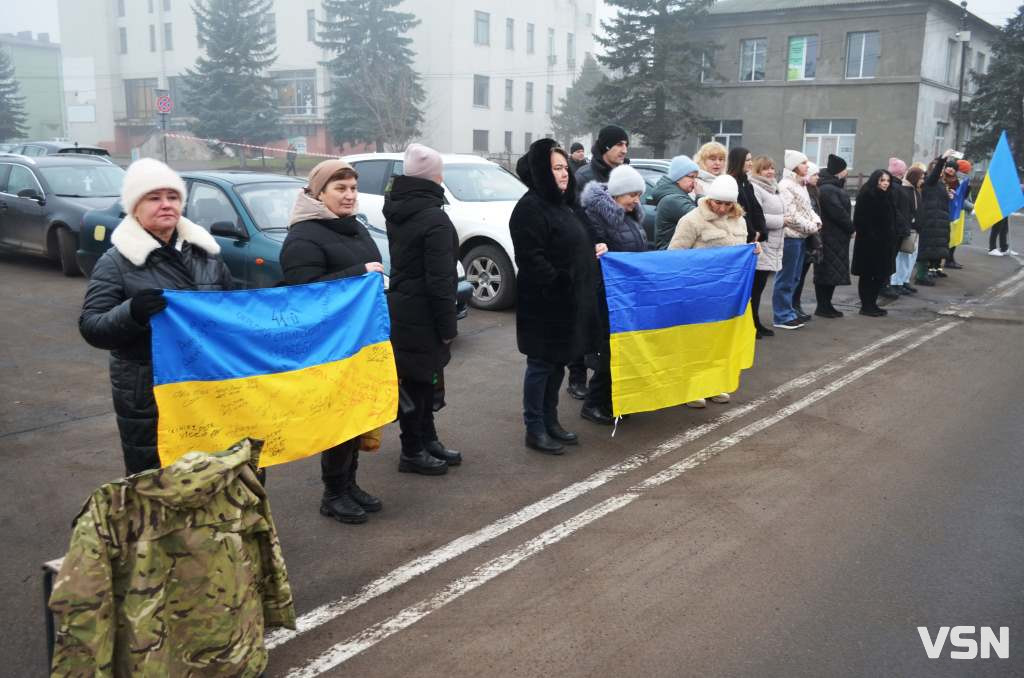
866,480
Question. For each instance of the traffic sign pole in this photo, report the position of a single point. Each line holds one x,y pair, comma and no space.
164,105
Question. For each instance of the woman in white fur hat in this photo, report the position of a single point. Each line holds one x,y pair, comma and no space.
153,248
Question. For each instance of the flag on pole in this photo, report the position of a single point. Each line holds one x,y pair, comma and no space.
957,213
1000,194
680,324
302,368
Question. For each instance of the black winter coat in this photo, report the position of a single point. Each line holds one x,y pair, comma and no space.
933,216
753,212
836,230
138,262
874,247
421,295
595,170
327,249
903,209
556,309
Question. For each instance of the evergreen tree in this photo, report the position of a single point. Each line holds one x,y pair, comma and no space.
375,92
997,103
574,115
229,92
12,106
656,83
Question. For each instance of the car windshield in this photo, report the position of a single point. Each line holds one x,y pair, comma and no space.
270,204
84,181
84,151
482,183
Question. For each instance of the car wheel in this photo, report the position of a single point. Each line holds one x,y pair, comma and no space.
490,272
67,246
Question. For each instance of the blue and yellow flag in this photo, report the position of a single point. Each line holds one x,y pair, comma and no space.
957,213
681,325
302,368
1000,194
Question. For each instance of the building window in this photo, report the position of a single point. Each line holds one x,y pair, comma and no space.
123,35
529,38
508,95
952,50
482,28
527,140
481,91
729,133
570,50
941,128
862,51
120,9
706,66
150,6
508,142
140,98
979,70
480,140
168,37
822,137
589,20
152,38
529,97
752,56
549,99
270,19
311,25
803,57
510,33
167,5
295,92
551,45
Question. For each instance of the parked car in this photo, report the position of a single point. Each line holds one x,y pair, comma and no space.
43,199
247,213
480,196
651,171
35,149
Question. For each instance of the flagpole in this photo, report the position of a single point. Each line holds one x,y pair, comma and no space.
963,58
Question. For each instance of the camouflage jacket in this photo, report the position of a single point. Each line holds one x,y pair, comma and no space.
173,572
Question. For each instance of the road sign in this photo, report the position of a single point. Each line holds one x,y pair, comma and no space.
164,105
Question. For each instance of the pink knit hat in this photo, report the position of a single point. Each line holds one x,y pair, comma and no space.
422,161
897,167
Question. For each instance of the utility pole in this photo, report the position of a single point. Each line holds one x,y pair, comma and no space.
964,36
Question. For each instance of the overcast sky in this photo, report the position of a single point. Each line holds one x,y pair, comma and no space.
40,16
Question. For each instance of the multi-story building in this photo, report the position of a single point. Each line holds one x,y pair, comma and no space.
864,79
492,71
37,69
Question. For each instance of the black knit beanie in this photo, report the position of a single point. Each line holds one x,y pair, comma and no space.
609,136
835,164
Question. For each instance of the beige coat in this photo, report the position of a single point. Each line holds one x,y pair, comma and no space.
701,228
800,218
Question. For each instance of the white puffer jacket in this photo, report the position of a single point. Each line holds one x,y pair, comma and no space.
767,193
800,218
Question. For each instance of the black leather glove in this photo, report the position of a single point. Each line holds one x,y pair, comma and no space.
146,304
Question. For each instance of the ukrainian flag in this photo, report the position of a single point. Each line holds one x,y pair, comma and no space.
302,368
680,324
1000,194
957,214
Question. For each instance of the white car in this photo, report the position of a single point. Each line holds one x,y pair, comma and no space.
480,195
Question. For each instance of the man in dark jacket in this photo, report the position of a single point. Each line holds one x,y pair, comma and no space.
421,298
836,230
153,248
577,157
674,199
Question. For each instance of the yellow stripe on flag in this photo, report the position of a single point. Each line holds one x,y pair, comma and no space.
652,369
286,410
956,230
986,206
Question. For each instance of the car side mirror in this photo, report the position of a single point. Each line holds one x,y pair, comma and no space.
31,194
226,229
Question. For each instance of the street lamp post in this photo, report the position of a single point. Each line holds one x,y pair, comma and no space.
964,36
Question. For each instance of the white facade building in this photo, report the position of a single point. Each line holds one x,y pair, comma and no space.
492,71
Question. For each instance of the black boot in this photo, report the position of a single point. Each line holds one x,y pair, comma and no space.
436,449
342,507
597,415
542,442
370,503
556,431
421,462
577,386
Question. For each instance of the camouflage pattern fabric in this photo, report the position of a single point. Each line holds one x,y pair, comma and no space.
173,572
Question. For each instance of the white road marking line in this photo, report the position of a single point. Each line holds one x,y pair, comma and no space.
983,299
408,571
382,630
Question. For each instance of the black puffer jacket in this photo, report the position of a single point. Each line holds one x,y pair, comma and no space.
757,229
421,296
874,248
836,230
137,262
556,308
595,170
609,223
327,249
933,216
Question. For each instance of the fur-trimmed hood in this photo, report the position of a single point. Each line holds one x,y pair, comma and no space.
596,199
534,169
136,244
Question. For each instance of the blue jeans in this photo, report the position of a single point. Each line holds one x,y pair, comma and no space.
904,267
540,394
786,280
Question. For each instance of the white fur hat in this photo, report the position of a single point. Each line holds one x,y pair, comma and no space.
723,189
624,179
145,175
794,158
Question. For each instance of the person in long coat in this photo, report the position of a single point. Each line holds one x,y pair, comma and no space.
421,298
556,308
153,248
739,165
875,222
766,191
328,241
836,230
933,222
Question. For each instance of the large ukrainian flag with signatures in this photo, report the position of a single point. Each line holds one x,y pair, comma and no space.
302,368
681,325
